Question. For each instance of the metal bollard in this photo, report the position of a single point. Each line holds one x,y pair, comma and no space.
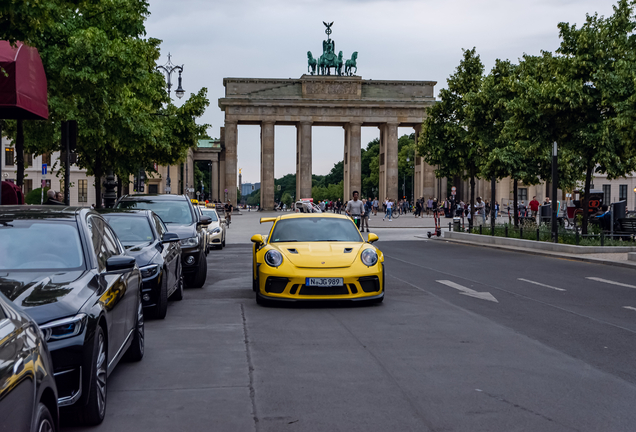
578,240
480,227
506,230
602,239
538,237
449,226
521,233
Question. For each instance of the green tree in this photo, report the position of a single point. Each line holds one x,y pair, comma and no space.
446,140
371,168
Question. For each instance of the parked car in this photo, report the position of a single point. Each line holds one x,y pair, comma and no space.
28,395
66,268
179,215
216,230
158,255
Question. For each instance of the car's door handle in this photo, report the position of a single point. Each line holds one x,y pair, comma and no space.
18,366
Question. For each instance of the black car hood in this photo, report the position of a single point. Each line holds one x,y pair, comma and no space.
184,231
143,252
45,295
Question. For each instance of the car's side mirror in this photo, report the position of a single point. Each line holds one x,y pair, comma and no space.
120,263
258,239
204,220
169,237
372,238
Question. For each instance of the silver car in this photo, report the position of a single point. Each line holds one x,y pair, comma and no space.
216,230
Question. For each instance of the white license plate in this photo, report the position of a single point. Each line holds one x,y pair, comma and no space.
324,282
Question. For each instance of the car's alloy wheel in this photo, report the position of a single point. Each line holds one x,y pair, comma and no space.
95,410
136,350
43,419
178,293
161,308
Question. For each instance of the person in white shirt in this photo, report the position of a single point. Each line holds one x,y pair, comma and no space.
389,210
355,209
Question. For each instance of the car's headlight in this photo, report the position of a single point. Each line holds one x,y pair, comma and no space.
64,328
189,242
369,257
149,270
216,230
273,258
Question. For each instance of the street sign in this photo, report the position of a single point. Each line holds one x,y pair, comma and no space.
225,190
453,193
453,189
198,193
44,169
278,187
167,189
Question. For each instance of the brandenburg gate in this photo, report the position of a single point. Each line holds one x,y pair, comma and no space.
326,100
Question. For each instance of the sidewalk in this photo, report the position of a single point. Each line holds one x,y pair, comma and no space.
615,259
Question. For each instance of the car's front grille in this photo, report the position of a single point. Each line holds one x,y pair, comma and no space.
275,285
317,291
369,284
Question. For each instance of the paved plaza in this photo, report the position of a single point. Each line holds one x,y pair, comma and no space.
468,339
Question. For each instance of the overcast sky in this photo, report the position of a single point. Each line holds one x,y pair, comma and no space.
395,40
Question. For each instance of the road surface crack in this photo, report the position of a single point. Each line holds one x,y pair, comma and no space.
250,366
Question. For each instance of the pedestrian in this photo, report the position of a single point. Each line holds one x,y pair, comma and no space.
480,218
52,198
368,205
418,208
534,207
522,209
355,209
376,204
389,210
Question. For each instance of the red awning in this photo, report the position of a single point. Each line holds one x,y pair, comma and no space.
23,93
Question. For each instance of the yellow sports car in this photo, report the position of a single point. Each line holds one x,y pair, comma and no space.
316,256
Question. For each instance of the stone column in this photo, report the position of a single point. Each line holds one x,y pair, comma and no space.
346,190
267,166
222,176
215,180
231,160
355,159
303,160
391,158
382,194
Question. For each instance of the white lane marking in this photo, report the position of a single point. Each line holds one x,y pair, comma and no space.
540,284
468,291
611,282
630,307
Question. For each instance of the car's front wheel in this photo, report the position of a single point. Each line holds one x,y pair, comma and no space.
161,308
202,272
136,349
95,410
43,420
178,294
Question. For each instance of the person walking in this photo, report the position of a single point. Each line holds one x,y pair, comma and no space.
480,218
418,208
389,210
368,205
534,207
376,204
355,209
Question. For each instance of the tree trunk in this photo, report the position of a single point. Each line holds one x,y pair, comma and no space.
119,187
19,154
472,198
515,211
98,182
586,197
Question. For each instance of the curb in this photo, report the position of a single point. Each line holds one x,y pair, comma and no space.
624,264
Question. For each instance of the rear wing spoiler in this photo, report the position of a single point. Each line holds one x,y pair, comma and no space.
268,219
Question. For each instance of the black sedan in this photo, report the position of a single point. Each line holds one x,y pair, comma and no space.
66,268
28,396
181,218
157,252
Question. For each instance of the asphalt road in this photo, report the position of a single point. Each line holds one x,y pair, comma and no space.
434,356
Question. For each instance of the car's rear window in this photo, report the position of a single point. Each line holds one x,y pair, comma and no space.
130,229
171,212
315,229
40,244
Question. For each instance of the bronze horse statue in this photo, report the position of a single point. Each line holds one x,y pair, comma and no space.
311,63
351,64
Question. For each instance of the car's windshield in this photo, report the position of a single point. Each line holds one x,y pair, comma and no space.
315,229
210,213
170,212
130,229
29,244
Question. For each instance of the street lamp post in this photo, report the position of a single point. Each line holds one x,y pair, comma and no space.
168,69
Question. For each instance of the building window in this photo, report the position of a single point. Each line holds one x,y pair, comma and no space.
622,192
28,160
607,194
46,159
9,157
28,186
153,188
522,194
82,191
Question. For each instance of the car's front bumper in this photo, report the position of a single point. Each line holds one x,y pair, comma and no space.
215,239
190,268
360,283
150,289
